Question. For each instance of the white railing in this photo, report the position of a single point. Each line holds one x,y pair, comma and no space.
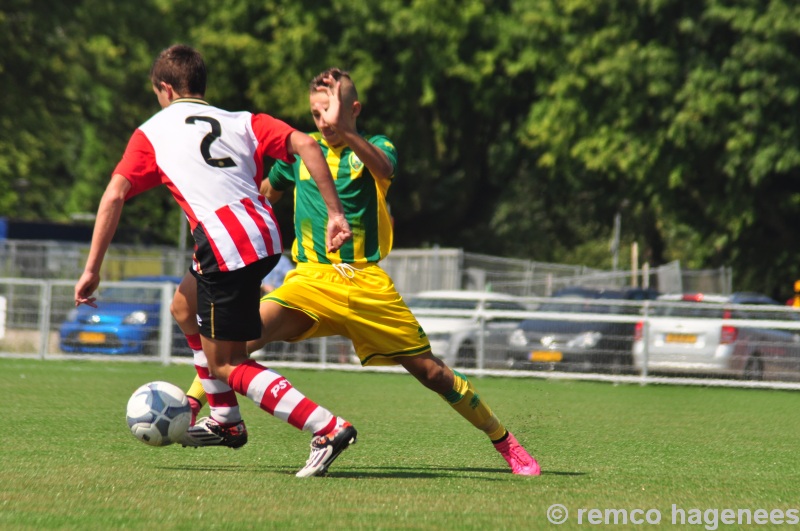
35,314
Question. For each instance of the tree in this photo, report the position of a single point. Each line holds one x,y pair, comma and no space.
736,131
75,86
523,126
34,125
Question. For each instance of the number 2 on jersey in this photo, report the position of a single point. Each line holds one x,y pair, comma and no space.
205,145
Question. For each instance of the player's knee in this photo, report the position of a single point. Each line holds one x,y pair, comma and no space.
179,312
431,372
439,377
220,372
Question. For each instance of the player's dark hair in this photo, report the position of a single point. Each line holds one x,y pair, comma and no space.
335,73
182,67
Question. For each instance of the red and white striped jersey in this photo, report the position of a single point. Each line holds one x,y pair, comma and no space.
212,162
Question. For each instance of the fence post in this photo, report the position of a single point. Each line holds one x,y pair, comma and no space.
44,314
481,350
165,324
645,342
323,351
2,317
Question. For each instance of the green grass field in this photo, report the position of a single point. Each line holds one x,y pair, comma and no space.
69,461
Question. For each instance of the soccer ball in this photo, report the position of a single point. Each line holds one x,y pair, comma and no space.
158,413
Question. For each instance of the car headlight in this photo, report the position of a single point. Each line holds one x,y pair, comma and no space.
518,338
137,318
585,340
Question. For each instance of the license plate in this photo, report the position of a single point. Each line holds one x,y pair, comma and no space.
546,356
91,337
680,338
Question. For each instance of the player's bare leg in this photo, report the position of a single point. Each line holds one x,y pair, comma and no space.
228,362
279,323
220,397
460,393
222,427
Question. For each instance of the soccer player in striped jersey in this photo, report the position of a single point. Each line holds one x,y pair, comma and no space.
345,292
212,162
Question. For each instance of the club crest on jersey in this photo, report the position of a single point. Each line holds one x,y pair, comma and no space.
355,162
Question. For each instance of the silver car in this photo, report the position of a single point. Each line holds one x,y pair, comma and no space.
452,321
706,335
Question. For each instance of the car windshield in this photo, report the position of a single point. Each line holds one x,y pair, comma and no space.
573,307
707,311
140,295
688,310
442,304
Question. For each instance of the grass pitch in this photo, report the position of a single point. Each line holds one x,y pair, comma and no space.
69,461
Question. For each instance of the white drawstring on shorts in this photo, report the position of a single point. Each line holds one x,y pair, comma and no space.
345,270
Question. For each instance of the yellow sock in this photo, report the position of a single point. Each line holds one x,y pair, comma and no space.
464,399
196,391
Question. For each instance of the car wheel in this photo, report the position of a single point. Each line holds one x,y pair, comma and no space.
621,364
518,365
466,356
613,364
150,346
754,369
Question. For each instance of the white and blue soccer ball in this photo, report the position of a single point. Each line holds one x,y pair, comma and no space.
158,413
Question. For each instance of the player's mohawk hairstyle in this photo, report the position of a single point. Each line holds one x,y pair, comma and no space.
349,92
335,73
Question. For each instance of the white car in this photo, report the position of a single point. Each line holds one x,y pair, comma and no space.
704,334
451,320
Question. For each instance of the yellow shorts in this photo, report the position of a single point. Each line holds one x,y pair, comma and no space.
360,303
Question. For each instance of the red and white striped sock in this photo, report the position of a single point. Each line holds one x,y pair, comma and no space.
274,394
221,398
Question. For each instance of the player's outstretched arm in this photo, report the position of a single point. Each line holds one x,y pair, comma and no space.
308,150
105,225
341,118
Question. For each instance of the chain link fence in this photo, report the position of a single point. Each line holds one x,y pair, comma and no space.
554,337
413,270
38,317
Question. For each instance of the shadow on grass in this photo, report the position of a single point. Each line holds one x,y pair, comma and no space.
412,473
375,472
433,472
214,468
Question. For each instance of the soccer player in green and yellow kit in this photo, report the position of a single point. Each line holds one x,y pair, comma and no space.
346,292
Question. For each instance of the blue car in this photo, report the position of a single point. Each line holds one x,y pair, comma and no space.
126,321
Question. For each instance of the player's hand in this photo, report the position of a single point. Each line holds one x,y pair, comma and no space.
330,113
338,233
338,118
86,285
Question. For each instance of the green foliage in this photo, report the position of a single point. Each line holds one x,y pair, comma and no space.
523,126
71,102
736,132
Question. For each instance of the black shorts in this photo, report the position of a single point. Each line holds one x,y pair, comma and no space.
228,301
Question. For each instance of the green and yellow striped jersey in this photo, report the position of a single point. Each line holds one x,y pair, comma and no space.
362,196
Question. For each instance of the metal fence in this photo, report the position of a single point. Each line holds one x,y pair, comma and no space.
38,319
759,346
412,270
527,278
52,260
